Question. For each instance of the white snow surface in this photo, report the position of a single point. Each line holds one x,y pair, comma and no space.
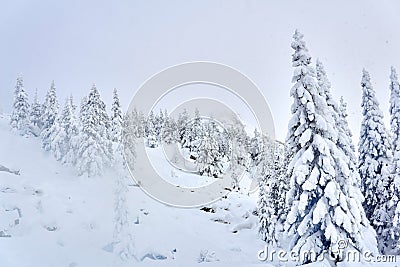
49,216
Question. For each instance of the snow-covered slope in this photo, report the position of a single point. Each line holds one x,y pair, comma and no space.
49,216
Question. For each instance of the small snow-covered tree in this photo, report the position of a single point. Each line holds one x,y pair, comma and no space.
256,148
116,118
209,158
374,163
95,150
151,132
129,137
49,115
35,116
182,121
159,125
320,212
170,130
20,113
57,138
72,138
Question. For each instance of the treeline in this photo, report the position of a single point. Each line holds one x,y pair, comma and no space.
90,139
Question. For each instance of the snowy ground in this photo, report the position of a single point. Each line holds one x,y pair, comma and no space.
49,216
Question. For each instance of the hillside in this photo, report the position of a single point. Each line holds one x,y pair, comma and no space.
49,216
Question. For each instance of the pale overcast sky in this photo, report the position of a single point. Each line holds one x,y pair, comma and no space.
122,43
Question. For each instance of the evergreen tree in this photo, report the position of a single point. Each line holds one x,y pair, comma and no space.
159,125
116,118
348,146
20,114
209,159
256,148
57,138
72,138
268,192
49,115
35,116
320,212
129,137
395,164
95,150
374,162
170,130
151,132
182,121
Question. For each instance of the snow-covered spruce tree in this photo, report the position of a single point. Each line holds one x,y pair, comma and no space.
129,137
395,164
348,146
320,213
374,164
20,114
193,135
240,141
182,121
72,132
209,158
95,150
49,115
151,132
268,193
57,136
170,131
116,118
159,125
64,134
83,108
348,178
35,116
255,148
281,162
339,114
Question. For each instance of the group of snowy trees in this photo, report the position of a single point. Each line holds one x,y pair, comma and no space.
90,141
202,140
85,141
332,195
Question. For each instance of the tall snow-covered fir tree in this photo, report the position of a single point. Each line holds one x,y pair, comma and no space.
320,212
374,164
95,150
20,113
116,118
395,164
49,115
351,184
35,116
